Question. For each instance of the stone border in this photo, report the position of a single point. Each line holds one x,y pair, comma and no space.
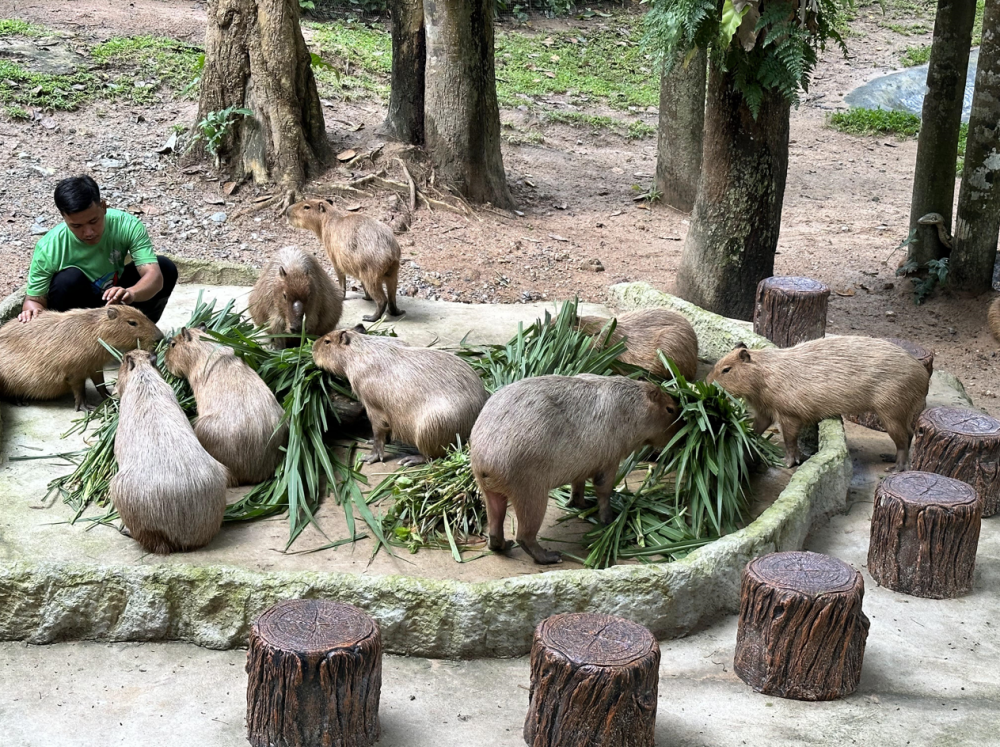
215,606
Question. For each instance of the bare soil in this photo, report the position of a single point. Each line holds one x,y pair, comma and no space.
845,211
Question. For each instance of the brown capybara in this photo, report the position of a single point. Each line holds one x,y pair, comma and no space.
993,317
291,287
239,419
56,352
428,398
169,491
356,245
817,379
647,331
539,433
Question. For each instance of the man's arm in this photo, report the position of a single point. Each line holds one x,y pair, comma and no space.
150,283
32,307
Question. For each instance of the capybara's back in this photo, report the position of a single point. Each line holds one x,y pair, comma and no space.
993,318
170,493
647,331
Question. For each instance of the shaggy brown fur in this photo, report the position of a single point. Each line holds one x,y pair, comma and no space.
239,419
823,378
994,319
539,433
646,331
169,491
356,245
291,287
55,353
428,398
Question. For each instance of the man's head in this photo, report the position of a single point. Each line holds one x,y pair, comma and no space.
79,200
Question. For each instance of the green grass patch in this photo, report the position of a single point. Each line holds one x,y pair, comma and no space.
636,130
361,59
15,112
17,27
21,88
152,59
914,56
860,121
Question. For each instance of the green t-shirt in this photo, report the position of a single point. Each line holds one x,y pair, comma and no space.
102,263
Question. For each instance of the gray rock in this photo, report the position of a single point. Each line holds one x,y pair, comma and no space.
37,230
111,163
219,217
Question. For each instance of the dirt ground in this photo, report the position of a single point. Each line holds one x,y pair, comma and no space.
845,211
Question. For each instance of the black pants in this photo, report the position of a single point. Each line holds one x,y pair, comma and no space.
71,289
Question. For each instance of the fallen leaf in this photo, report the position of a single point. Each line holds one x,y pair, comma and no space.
548,41
48,123
36,91
151,210
529,183
554,58
355,128
643,206
849,292
228,188
192,170
557,237
617,212
168,146
352,208
346,155
213,200
550,75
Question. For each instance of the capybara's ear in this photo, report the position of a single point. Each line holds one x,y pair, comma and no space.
185,334
329,202
360,329
112,312
203,327
152,359
322,205
739,345
131,363
281,271
744,354
345,337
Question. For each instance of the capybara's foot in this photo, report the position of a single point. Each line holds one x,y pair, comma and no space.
372,317
372,458
498,544
393,311
542,556
577,500
792,460
413,459
85,407
125,531
606,515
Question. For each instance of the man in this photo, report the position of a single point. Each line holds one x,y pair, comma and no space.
80,264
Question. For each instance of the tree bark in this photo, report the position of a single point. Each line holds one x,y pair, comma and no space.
801,630
315,676
964,445
737,214
790,310
256,58
461,114
924,535
926,358
977,219
682,125
405,120
940,121
594,682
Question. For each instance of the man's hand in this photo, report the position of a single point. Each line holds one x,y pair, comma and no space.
29,310
117,295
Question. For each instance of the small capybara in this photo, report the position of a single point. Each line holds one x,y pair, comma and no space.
817,379
291,287
56,352
239,419
169,491
994,319
647,331
428,398
356,245
539,433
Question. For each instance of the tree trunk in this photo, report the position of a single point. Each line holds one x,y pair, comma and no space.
977,220
256,58
461,115
737,214
790,310
940,121
405,121
682,124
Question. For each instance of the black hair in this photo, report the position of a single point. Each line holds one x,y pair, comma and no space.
76,194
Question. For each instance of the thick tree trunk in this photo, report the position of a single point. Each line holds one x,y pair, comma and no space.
977,220
737,215
940,121
256,58
405,121
461,115
682,124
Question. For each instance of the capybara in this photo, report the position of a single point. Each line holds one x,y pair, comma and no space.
291,287
817,379
428,398
239,419
994,319
539,433
56,352
169,491
647,331
356,245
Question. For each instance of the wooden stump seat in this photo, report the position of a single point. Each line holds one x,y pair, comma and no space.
963,444
924,535
801,630
790,310
925,356
315,676
594,683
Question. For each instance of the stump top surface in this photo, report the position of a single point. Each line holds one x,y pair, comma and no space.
805,572
305,625
596,639
792,284
928,488
918,352
961,421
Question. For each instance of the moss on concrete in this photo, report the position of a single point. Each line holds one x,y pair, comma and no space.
212,272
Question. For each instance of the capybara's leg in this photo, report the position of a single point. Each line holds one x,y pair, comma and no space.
102,388
412,459
761,423
496,512
368,296
900,434
530,510
380,432
79,389
341,277
790,433
604,483
391,281
378,294
577,499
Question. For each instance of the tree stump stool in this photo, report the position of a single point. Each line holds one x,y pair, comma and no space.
925,532
315,675
594,683
790,310
925,356
963,444
801,630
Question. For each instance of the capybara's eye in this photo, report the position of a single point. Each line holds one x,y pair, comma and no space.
727,369
131,323
326,342
284,296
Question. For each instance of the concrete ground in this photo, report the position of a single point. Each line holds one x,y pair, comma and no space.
929,677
